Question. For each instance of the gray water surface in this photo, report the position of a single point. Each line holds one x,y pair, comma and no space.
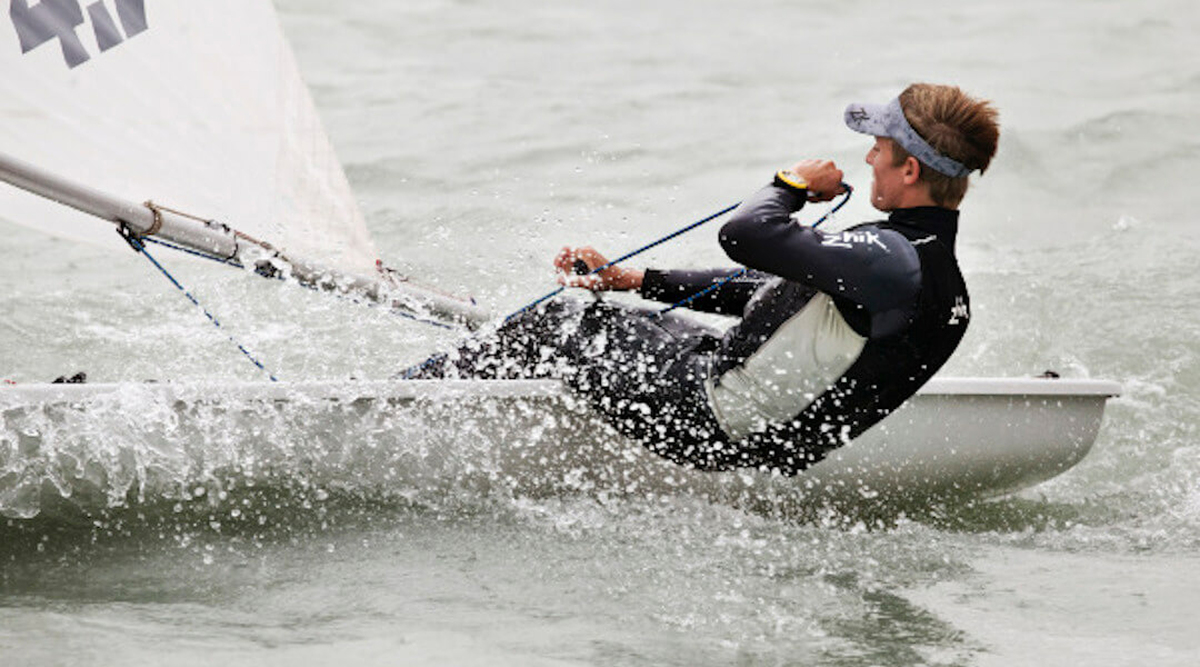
479,139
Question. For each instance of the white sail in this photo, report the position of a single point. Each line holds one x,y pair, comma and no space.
197,105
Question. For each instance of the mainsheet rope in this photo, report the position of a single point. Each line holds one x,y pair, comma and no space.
743,271
411,371
682,230
138,243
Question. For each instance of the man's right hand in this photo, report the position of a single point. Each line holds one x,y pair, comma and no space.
612,278
823,177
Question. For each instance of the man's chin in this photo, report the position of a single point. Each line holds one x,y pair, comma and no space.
879,202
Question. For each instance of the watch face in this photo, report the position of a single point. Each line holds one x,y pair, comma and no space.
789,179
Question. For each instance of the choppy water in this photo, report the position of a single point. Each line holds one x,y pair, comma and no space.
482,137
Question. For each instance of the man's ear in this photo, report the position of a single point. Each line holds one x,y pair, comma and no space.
912,170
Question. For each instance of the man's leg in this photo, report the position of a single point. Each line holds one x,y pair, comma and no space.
536,344
644,373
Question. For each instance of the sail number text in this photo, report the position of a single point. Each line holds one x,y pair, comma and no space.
49,20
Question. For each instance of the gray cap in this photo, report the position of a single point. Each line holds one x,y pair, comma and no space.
887,120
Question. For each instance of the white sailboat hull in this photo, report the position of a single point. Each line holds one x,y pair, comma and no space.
116,443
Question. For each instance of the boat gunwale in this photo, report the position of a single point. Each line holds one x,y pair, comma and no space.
18,395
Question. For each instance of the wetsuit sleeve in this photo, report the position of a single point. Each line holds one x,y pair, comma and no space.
675,286
874,269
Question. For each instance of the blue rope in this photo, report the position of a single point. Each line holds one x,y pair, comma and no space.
136,243
622,258
411,371
741,272
408,373
228,261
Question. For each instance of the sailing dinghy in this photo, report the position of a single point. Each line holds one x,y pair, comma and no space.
91,99
958,438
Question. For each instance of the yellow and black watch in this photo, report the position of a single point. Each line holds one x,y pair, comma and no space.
791,181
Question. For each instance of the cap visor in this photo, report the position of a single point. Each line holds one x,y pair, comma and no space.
867,119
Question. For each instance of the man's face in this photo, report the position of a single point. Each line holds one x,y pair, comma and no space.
888,180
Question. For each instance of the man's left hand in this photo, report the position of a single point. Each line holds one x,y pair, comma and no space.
612,278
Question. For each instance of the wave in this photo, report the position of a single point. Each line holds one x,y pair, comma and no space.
81,451
146,444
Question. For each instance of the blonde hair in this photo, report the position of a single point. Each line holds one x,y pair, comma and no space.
955,125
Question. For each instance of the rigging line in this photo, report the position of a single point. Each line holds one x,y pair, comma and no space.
622,258
743,271
157,210
138,246
408,373
227,261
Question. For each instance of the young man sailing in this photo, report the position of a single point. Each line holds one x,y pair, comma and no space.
836,329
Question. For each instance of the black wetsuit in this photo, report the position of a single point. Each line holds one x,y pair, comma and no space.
836,331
